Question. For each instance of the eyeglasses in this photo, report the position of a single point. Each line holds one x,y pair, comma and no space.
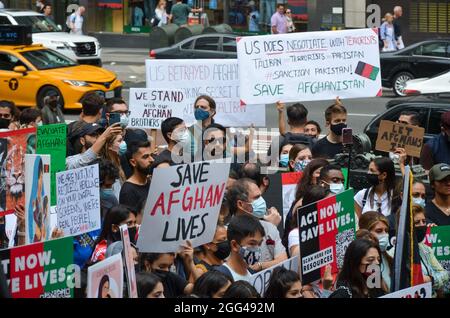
6,116
123,112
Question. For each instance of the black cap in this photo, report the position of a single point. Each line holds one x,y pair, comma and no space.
87,129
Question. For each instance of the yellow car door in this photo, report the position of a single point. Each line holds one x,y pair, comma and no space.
21,88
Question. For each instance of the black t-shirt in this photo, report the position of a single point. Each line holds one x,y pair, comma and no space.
132,194
435,215
325,149
174,284
397,28
164,156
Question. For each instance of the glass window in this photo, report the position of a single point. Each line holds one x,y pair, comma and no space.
4,20
8,62
432,49
207,44
38,23
187,45
229,44
46,59
434,127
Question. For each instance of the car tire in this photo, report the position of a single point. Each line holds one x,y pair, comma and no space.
44,92
399,81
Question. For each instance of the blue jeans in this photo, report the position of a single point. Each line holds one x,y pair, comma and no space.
149,8
267,9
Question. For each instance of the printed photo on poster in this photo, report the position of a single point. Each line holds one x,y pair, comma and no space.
105,279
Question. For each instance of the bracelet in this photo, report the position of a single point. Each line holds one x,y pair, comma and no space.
260,266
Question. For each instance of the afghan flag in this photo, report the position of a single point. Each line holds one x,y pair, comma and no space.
40,270
326,228
407,267
367,70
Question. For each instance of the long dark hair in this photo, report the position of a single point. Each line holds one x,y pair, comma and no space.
384,164
314,194
305,183
281,282
115,215
210,283
350,274
103,281
146,283
241,289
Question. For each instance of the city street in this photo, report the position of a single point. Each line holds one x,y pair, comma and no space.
129,65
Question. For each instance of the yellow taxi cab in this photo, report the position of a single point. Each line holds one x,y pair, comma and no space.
29,73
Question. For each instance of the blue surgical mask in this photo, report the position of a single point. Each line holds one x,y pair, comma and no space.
250,255
201,114
259,208
383,241
299,166
107,192
122,148
124,119
419,201
336,188
284,159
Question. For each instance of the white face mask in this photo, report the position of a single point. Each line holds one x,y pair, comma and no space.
337,188
181,137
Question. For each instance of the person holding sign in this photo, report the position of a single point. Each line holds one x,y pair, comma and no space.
360,258
378,197
331,144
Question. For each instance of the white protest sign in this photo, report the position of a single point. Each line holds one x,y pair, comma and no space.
78,200
261,279
418,291
150,107
105,278
129,262
309,66
216,78
183,204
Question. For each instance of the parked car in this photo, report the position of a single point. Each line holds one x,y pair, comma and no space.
429,85
430,111
204,46
423,59
81,48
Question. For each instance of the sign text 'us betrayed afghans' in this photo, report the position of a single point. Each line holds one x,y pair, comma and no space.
309,66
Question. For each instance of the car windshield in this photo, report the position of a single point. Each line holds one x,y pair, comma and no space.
47,59
39,23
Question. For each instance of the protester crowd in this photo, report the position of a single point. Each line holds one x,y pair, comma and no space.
247,239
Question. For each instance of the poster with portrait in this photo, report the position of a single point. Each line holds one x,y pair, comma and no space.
105,279
13,147
37,198
129,262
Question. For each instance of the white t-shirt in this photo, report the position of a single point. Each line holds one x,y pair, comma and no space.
293,238
77,20
385,204
237,276
272,245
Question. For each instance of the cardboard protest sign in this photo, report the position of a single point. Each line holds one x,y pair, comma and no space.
261,279
78,205
14,145
150,107
438,238
393,135
105,278
418,291
183,204
37,198
129,262
309,66
41,270
289,181
51,140
213,77
326,228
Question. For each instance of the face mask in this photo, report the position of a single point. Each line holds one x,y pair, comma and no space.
383,241
4,123
132,234
161,274
337,129
299,166
223,250
39,124
420,231
419,201
122,148
336,188
105,193
373,179
124,121
259,208
250,255
182,138
284,159
201,114
108,198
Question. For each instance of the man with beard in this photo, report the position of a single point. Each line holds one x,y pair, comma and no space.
51,112
139,155
89,139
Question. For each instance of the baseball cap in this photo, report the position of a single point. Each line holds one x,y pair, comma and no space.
87,129
439,172
445,119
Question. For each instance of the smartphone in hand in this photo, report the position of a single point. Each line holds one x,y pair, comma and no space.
347,136
113,118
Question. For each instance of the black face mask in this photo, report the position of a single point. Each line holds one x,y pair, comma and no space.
4,123
420,231
337,129
132,231
161,274
373,179
223,250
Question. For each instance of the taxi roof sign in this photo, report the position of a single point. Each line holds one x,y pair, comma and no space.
15,34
